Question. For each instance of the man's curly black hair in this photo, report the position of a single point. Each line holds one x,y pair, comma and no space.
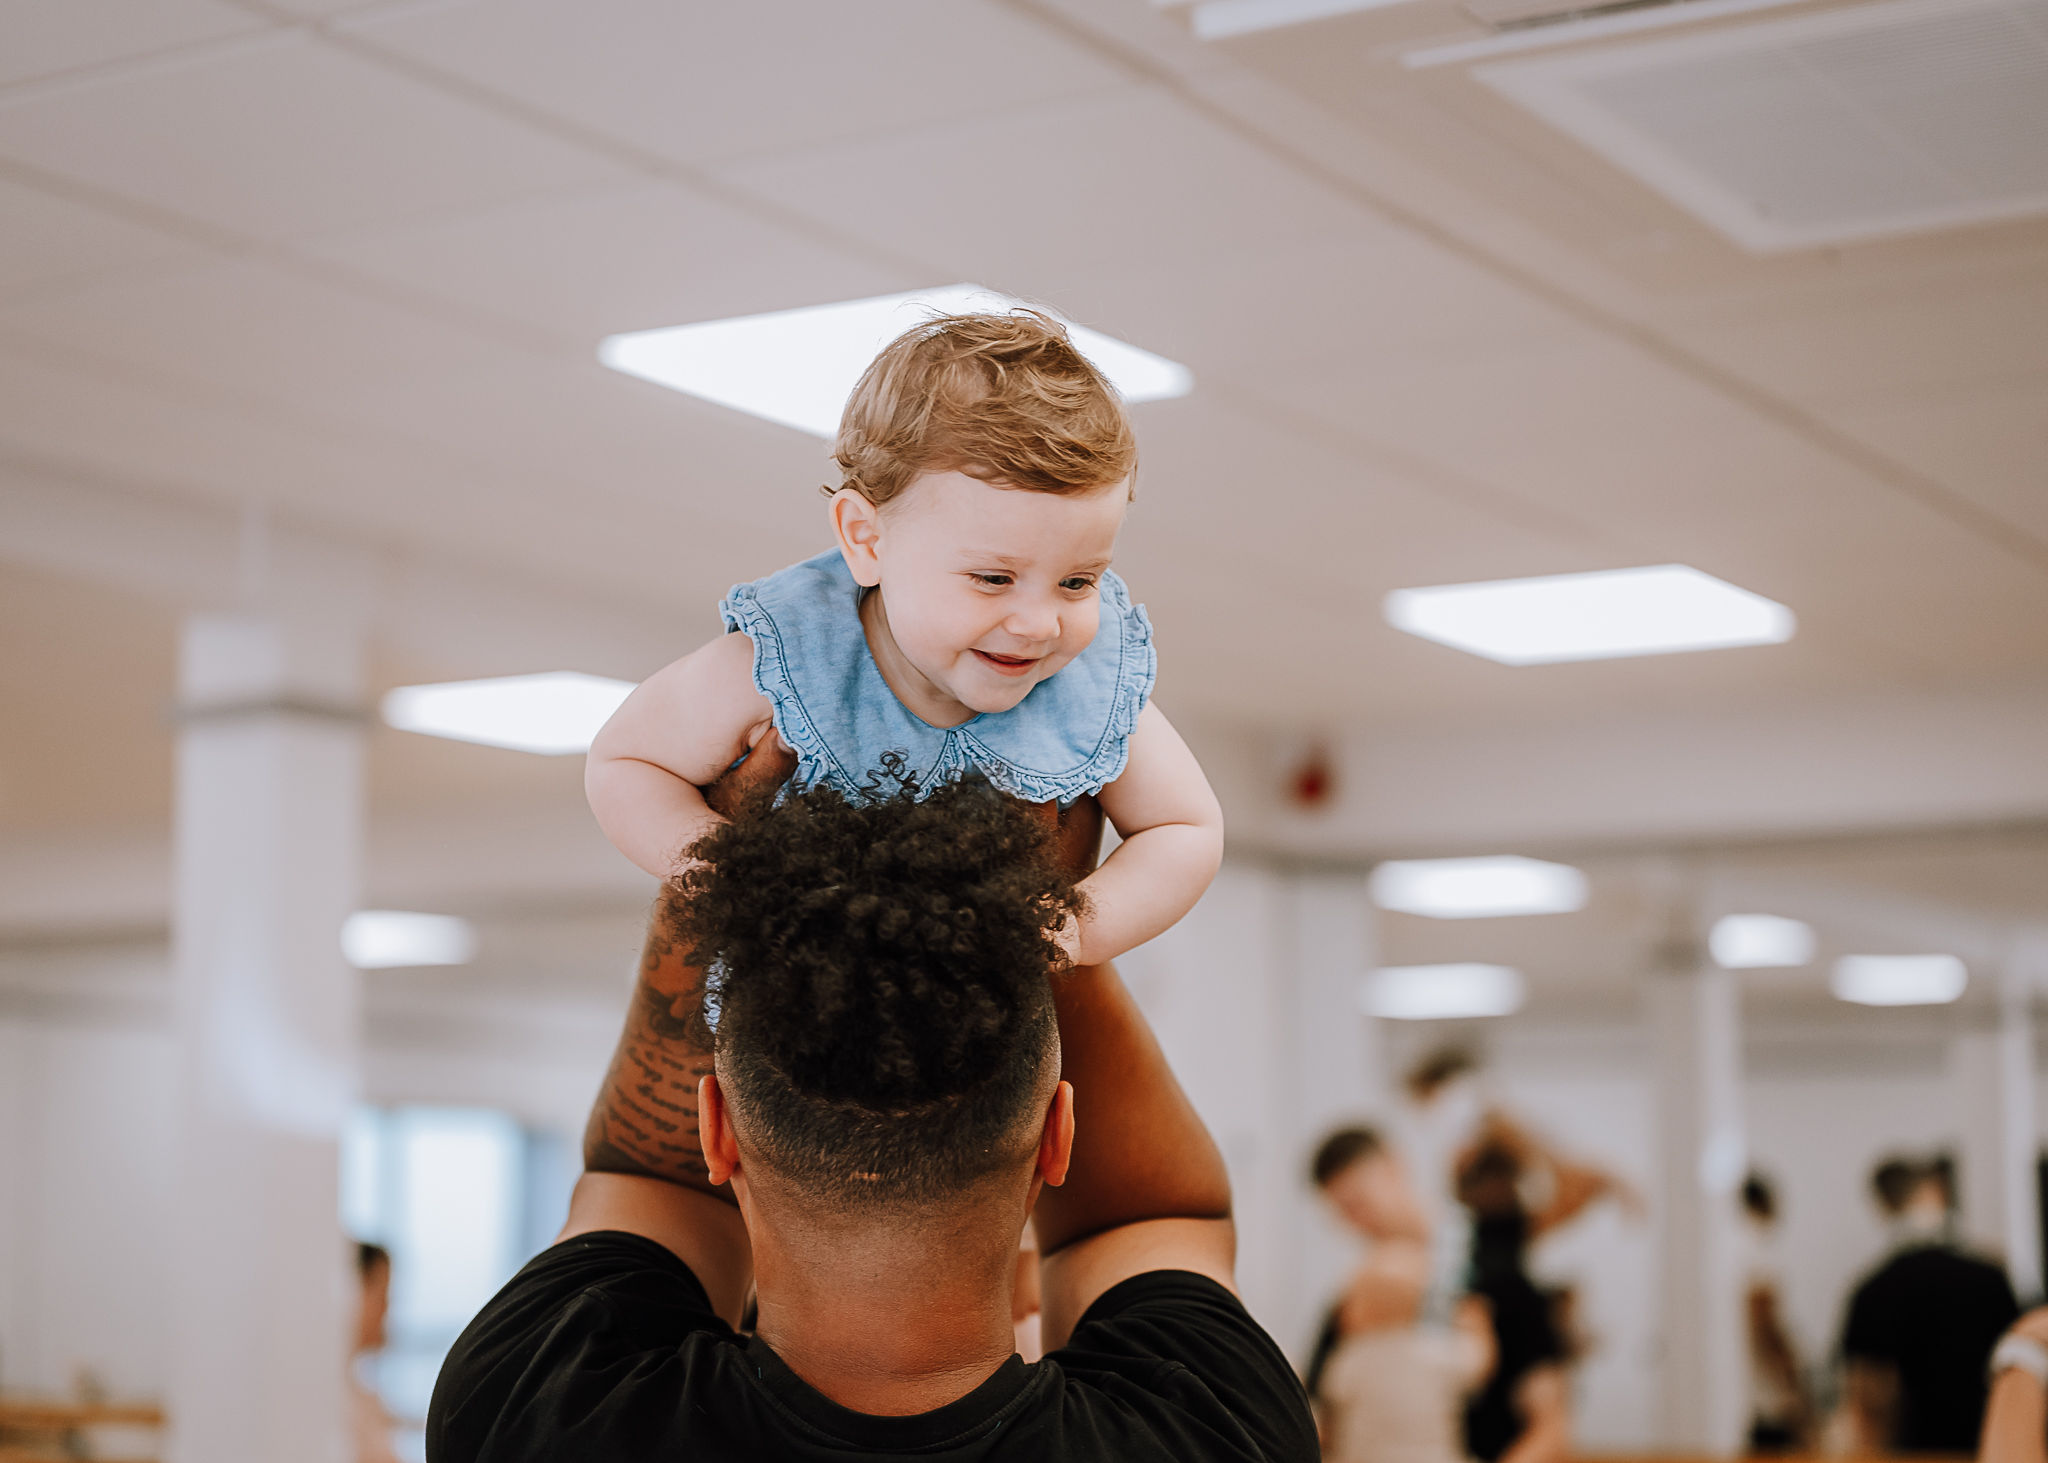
878,981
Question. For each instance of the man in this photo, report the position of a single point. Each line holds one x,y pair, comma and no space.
1921,1326
891,1081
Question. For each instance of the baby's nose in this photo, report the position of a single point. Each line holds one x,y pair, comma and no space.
1034,622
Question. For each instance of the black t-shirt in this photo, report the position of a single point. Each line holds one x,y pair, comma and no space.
605,1348
1934,1313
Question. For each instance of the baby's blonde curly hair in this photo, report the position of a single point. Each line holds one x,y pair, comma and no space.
1005,398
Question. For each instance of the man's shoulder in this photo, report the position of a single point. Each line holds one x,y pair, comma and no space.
1180,1353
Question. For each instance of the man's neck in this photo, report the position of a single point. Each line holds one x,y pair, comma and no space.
886,1328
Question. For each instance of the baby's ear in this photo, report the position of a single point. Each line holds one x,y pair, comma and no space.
857,524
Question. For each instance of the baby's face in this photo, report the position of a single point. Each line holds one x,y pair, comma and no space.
990,590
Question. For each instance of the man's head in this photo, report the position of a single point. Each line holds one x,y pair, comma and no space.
1367,1184
373,1270
987,467
1759,1199
878,987
1918,1192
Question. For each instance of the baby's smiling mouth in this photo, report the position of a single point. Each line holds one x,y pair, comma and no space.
1007,665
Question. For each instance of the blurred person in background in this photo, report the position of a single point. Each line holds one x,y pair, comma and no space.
1389,1379
1778,1415
1443,1106
1921,1327
1523,1412
369,1424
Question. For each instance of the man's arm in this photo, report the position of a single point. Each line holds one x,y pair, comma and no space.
2016,1422
1146,1188
643,1167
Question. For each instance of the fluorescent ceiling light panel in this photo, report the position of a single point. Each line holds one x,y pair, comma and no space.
797,367
1899,980
1441,992
1216,20
555,714
1760,941
386,939
1477,888
1654,610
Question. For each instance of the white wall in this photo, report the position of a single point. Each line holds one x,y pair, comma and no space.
88,1167
85,1252
1230,991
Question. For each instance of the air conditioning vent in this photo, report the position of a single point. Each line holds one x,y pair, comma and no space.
1851,124
1515,14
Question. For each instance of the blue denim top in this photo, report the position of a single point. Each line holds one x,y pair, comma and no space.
1070,735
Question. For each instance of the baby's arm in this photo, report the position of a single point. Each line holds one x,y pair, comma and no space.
1172,843
681,728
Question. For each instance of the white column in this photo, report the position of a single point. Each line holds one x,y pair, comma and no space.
1695,1026
268,843
1339,1067
2019,1141
2024,962
1993,1072
1331,1070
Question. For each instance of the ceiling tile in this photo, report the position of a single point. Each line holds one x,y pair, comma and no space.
1044,198
1596,429
1889,337
47,37
285,136
48,243
254,327
1988,443
583,531
693,82
588,264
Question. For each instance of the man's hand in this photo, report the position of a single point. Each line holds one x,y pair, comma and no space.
769,764
645,1118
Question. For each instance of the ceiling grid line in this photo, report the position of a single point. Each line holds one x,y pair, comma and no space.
1989,527
638,159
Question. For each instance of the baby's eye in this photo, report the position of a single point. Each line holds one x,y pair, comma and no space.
1075,583
993,581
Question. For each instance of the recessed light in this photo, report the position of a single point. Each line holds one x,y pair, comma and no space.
1655,610
796,367
1760,941
1477,888
385,939
1899,980
555,714
1441,992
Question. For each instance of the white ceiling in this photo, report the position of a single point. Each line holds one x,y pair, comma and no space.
350,262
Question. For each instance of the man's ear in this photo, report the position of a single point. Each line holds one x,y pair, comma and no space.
857,524
714,1131
1056,1144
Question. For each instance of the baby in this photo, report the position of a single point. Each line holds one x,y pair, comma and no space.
966,622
